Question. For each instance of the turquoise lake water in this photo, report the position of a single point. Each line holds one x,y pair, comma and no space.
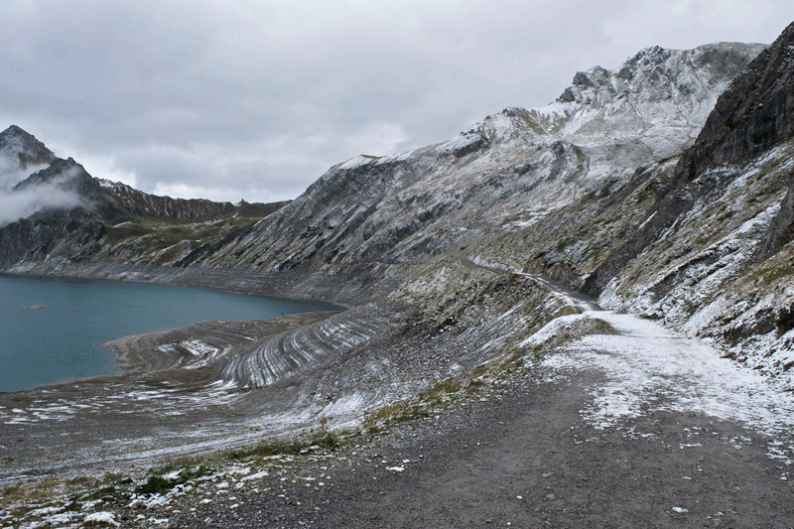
63,341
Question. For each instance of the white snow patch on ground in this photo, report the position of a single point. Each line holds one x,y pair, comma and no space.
102,517
649,368
256,476
345,405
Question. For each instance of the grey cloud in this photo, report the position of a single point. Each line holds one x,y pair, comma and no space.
263,97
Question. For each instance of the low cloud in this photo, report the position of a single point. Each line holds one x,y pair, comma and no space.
15,205
11,174
22,204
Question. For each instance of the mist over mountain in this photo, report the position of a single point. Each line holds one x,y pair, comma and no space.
22,155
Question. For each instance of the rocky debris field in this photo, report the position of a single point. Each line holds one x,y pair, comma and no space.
518,454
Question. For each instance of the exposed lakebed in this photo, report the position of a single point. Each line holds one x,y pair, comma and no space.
53,329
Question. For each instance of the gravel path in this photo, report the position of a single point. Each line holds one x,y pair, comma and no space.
527,458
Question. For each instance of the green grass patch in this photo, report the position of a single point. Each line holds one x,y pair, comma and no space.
411,409
320,438
116,235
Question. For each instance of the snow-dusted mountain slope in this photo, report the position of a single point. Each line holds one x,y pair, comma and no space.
703,243
506,171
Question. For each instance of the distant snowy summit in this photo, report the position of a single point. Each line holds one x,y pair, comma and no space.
656,101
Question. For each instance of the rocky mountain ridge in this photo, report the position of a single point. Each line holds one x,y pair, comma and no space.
507,171
71,213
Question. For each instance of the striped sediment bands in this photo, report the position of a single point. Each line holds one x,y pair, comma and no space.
280,356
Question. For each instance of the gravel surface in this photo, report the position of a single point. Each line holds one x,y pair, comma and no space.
524,457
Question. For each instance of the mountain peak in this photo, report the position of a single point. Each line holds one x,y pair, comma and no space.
660,73
17,143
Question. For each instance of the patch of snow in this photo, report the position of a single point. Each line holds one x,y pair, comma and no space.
256,476
651,368
102,517
358,161
106,183
171,476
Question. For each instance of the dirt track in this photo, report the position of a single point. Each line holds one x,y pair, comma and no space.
527,459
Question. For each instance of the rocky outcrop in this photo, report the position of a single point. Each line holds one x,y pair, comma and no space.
754,114
781,230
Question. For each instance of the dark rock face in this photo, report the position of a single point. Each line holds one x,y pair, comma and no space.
752,116
756,113
782,229
40,238
137,203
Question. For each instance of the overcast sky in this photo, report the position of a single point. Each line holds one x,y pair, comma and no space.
256,99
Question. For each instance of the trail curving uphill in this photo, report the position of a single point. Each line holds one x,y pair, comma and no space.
650,368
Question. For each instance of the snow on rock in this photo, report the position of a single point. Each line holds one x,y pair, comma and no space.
102,517
511,167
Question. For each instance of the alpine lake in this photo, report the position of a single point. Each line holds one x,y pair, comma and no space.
52,329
